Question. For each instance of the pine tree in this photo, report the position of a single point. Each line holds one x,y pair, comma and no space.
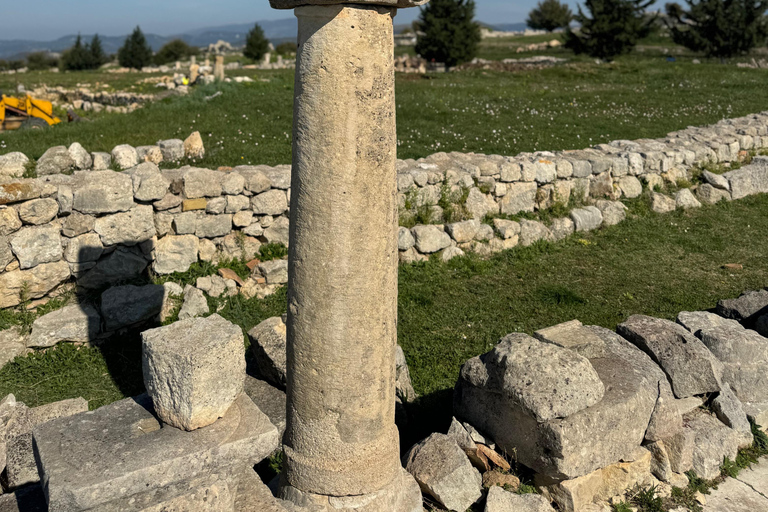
77,58
98,57
614,28
256,45
136,52
549,15
719,28
447,32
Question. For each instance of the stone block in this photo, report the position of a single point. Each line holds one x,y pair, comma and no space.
614,212
125,156
20,190
84,248
430,238
500,500
76,322
195,304
272,202
122,306
193,146
749,180
122,264
172,149
35,245
9,221
521,197
102,192
562,228
175,253
126,228
278,231
36,282
747,308
269,399
464,231
55,161
728,409
13,165
274,271
38,211
213,226
532,231
77,455
193,370
268,346
572,335
695,321
586,219
661,203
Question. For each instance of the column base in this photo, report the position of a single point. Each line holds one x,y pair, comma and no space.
402,495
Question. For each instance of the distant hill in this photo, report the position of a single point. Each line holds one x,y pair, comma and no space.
276,31
510,27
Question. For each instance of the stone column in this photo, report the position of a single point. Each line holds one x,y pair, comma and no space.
341,442
218,68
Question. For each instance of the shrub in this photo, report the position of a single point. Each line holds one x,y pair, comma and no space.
447,32
286,48
256,45
135,52
614,28
549,15
719,28
40,61
175,50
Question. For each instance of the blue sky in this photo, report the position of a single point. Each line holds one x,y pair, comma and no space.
51,19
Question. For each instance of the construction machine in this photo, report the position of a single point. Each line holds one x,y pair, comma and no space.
25,113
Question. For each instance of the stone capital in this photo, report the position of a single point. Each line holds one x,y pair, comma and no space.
292,4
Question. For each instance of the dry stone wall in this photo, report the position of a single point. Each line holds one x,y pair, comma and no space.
100,219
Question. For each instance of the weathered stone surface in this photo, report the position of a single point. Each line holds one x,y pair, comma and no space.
464,231
747,308
278,231
19,190
21,468
101,161
545,380
430,238
193,146
403,387
695,321
6,254
126,228
38,211
167,202
194,370
77,224
444,472
744,355
149,184
77,455
172,149
12,345
728,409
35,245
201,182
36,282
81,158
572,335
630,187
734,495
84,248
27,499
233,183
661,203
506,229
691,368
520,197
213,226
75,322
575,494
405,239
269,399
13,165
195,304
708,194
555,447
151,154
532,231
125,156
479,205
500,500
587,218
9,221
126,305
614,212
272,202
685,200
54,161
102,192
712,442
122,264
716,180
255,180
175,253
275,271
667,418
749,180
268,346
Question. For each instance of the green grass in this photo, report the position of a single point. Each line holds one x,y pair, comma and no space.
564,107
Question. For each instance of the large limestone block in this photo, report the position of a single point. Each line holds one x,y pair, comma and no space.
520,197
20,190
175,253
500,500
532,231
573,335
84,248
213,226
172,149
745,309
695,321
193,146
35,245
273,202
586,219
464,231
35,283
38,211
744,355
81,158
149,184
268,345
21,468
13,165
127,228
749,180
430,238
278,232
120,265
55,161
555,447
9,221
690,366
479,205
443,471
194,370
201,182
75,322
712,442
275,271
127,305
269,399
125,156
729,409
77,455
102,192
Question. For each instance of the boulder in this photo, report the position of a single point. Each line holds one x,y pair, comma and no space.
532,231
444,472
479,205
630,187
193,146
122,264
12,345
271,202
747,308
520,197
661,203
126,228
500,500
122,306
13,165
172,150
430,238
175,253
268,346
716,180
76,322
81,158
587,218
102,192
20,190
38,211
708,194
35,245
749,180
9,221
195,304
278,232
101,161
274,271
201,182
728,409
233,183
507,229
405,239
125,156
213,226
194,370
149,184
464,231
55,161
614,212
685,200
695,321
36,283
691,368
21,467
269,399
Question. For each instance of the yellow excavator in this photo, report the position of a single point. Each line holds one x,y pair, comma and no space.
25,113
